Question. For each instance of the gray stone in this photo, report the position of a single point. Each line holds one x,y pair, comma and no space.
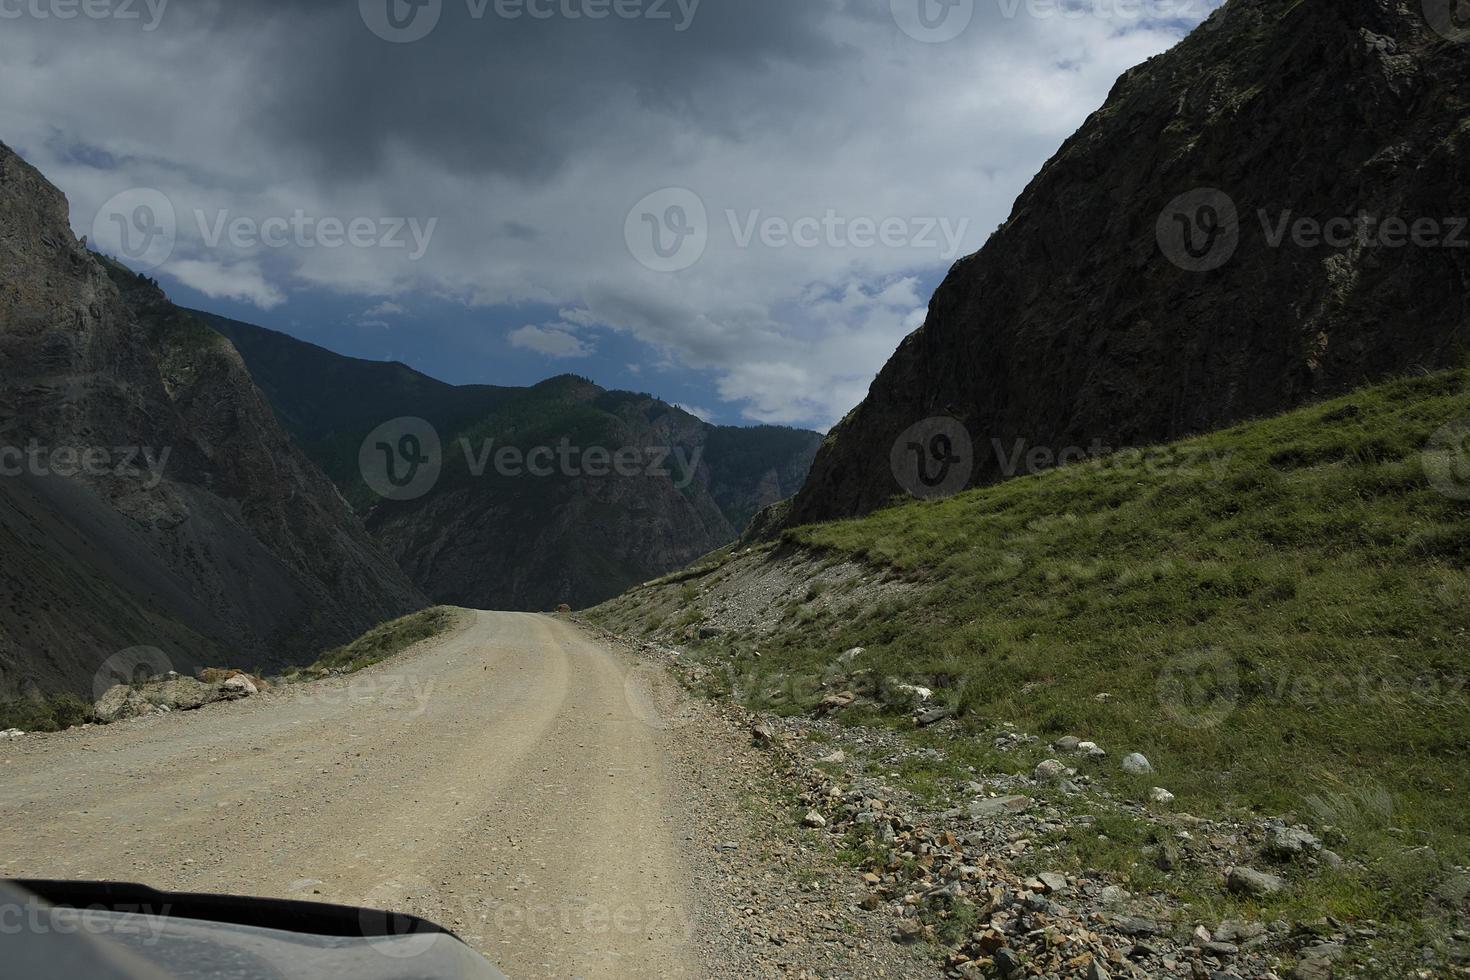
1052,882
1067,743
1312,969
1132,925
931,717
1247,881
1000,805
1049,771
1137,764
1235,931
1287,843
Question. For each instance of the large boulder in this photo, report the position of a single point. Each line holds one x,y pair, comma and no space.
118,702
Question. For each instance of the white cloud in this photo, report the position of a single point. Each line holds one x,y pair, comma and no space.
844,114
239,281
550,340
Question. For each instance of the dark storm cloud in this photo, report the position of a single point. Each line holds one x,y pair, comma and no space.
516,97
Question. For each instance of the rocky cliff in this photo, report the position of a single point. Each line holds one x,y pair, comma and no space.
1272,212
148,497
572,525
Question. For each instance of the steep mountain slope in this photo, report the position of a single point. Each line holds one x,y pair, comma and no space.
501,537
148,496
1091,315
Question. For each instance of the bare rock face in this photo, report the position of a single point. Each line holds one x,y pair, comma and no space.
1121,305
163,506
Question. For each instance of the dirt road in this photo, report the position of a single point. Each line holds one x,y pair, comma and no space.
500,780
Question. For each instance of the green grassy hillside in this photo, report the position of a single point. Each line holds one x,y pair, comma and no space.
1277,615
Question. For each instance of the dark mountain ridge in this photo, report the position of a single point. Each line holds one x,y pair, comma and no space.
155,502
1090,318
506,538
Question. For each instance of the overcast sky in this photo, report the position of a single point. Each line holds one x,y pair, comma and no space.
739,205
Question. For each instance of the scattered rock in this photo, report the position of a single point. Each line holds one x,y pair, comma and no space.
980,809
931,717
1132,925
836,702
1049,771
1113,895
1007,963
1167,857
1288,843
909,931
1312,969
1247,881
119,702
1095,971
914,693
1235,931
1053,883
241,686
11,733
1137,764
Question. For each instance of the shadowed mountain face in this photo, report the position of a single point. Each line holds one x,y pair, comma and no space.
563,492
1189,258
148,497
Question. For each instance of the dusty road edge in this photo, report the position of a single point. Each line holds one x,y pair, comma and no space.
773,898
